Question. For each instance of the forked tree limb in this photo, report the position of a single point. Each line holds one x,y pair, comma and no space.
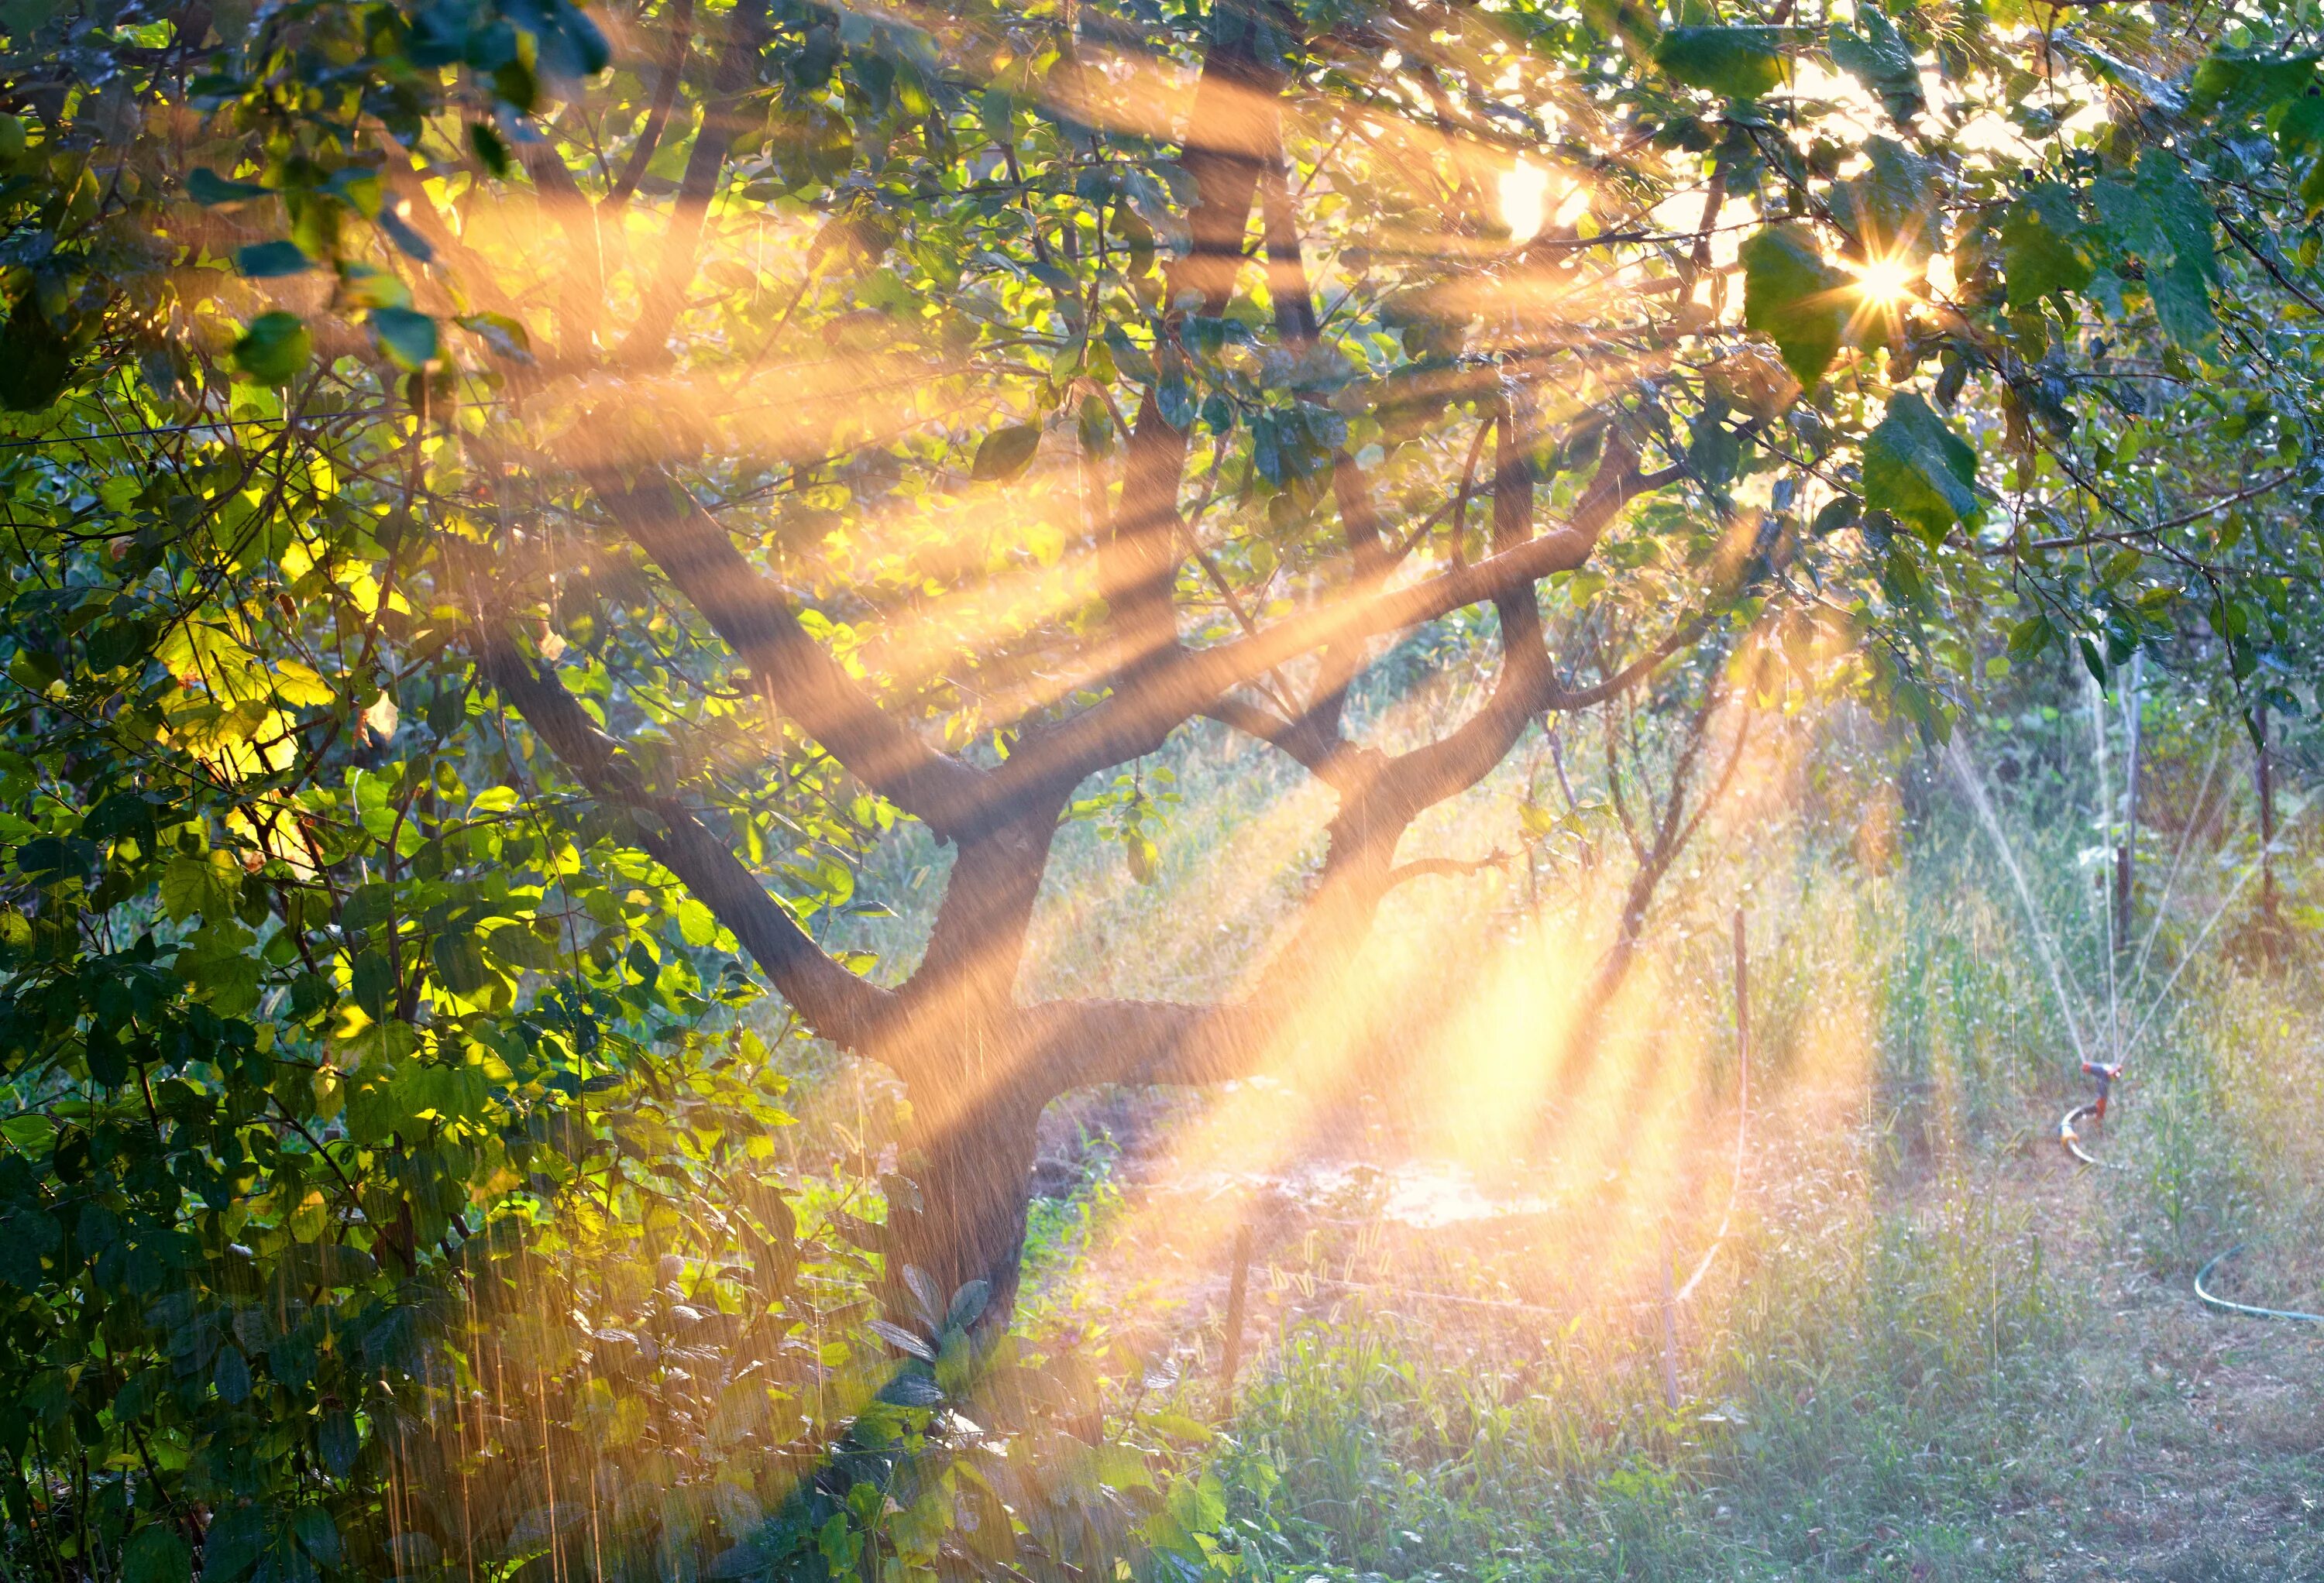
1002,819
1237,134
1465,755
680,23
753,614
849,1011
722,123
1190,681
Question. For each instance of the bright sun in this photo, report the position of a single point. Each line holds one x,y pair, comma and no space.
1886,281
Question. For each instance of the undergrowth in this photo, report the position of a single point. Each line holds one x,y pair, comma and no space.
1848,1394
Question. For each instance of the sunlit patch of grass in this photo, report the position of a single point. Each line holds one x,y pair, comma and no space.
1843,1399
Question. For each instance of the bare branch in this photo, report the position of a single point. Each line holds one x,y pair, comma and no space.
1445,868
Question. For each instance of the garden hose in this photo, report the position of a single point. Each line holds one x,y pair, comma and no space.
2070,1134
2213,1300
2071,1137
2103,1074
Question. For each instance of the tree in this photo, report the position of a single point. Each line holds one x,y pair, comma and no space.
615,483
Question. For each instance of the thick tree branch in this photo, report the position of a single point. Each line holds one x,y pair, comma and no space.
1077,1044
1320,758
1231,133
849,1011
641,152
752,615
722,123
1293,304
1465,755
967,977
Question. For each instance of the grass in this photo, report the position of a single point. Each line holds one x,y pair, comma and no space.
1929,1349
1837,1415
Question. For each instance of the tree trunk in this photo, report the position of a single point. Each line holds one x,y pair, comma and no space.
973,1169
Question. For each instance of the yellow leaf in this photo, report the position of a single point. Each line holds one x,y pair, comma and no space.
298,686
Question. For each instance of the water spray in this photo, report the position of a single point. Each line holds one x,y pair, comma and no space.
2105,1074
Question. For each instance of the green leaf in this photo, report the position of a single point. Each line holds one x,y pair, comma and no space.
1796,297
1633,23
24,1236
317,1536
967,1304
232,1376
490,149
209,188
35,359
275,348
2030,637
1739,62
1895,205
1917,469
363,285
1877,56
697,924
505,337
902,1339
156,1554
2163,217
120,815
2234,86
400,232
407,336
1006,452
191,885
374,984
262,261
460,963
1144,858
237,1538
2040,240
